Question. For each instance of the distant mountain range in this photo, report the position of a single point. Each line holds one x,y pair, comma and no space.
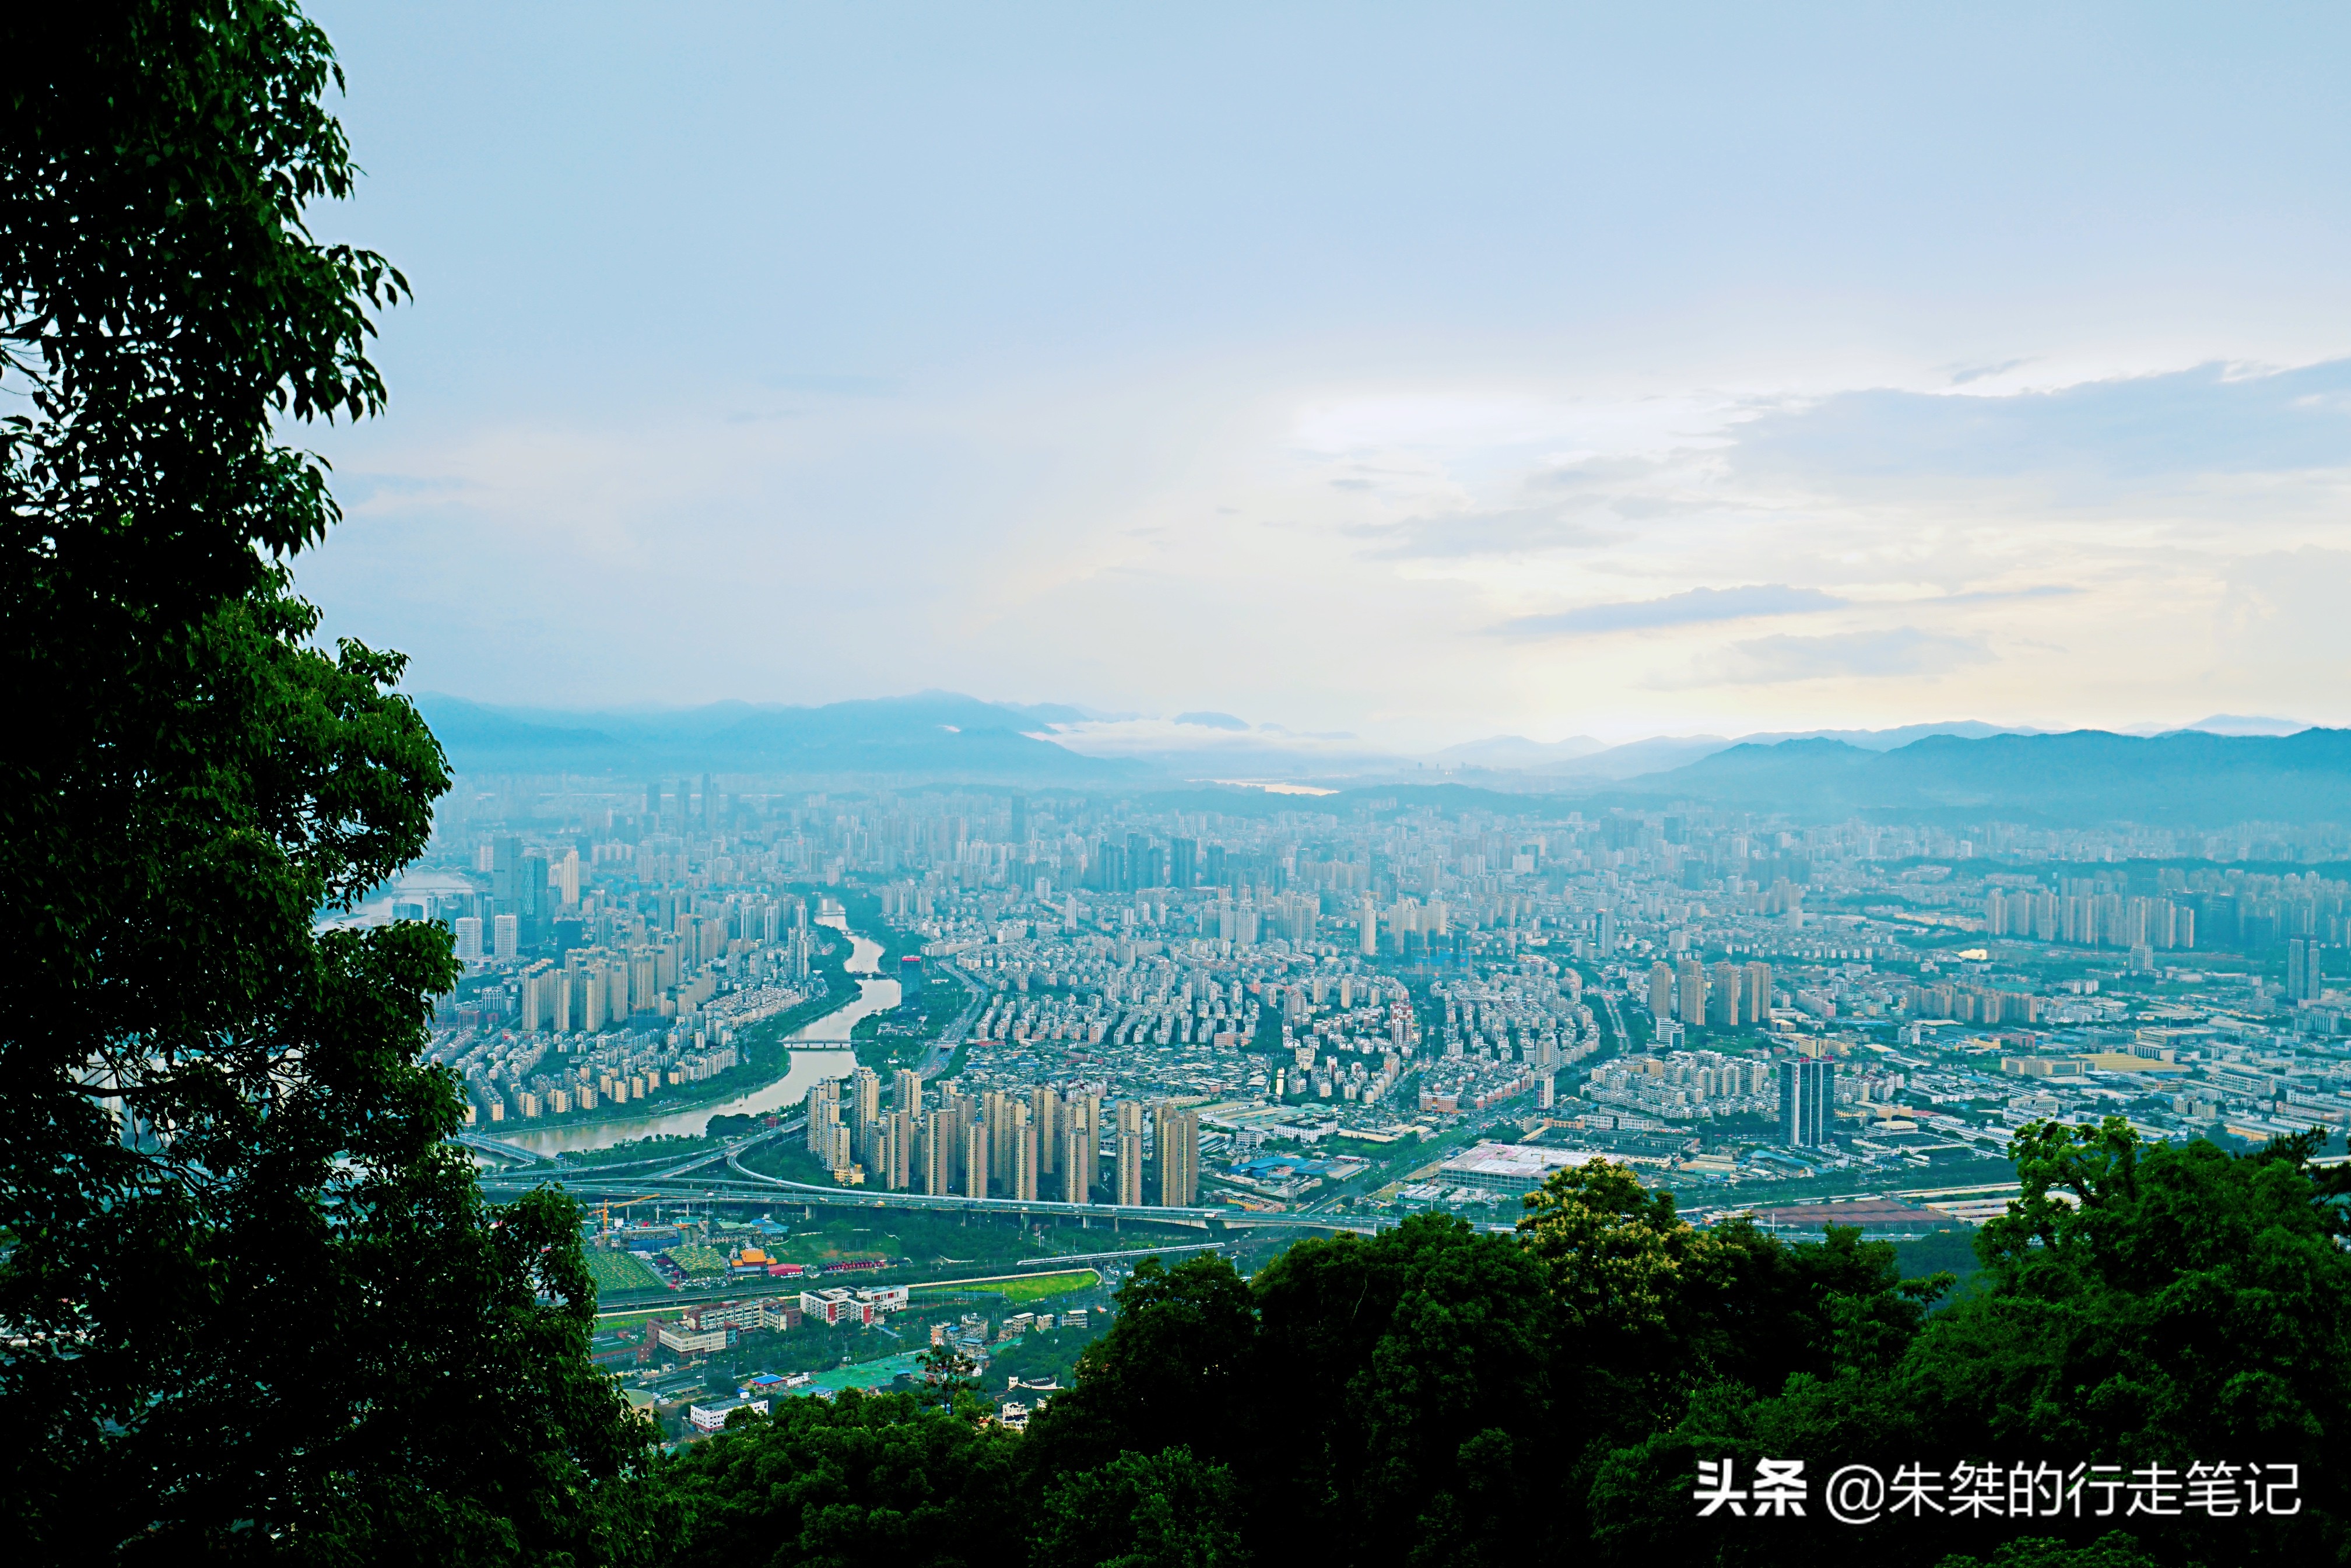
931,735
2184,777
2222,769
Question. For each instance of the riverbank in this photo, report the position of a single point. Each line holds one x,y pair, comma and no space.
780,1062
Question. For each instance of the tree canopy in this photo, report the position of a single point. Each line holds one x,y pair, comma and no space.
254,1304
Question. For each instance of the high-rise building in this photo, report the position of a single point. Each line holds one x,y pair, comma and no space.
866,1094
1077,1161
1807,1091
975,1160
958,1107
1021,1179
1045,1113
1129,1162
995,1109
506,874
2301,964
538,984
1184,862
1081,1146
1692,976
1020,823
898,1140
938,1154
468,932
1176,1136
823,1106
506,938
1606,930
1758,992
1725,1009
1661,991
906,1091
1371,929
535,898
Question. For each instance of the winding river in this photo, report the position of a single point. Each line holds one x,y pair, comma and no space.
830,1057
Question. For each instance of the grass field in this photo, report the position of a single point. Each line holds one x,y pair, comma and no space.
634,1317
836,1243
1024,1287
621,1271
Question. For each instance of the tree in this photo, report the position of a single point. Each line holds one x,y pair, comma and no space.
875,1480
1171,1372
2177,1305
1166,1509
1405,1407
254,1303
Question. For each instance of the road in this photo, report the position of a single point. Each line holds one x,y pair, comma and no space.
1615,1019
749,1186
942,1049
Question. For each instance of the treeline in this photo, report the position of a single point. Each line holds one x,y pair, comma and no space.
1436,1396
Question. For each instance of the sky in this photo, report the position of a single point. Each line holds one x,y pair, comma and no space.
1411,373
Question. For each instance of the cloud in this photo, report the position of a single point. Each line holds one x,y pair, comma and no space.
1693,607
2208,419
1967,373
1451,534
1772,661
1211,720
2004,595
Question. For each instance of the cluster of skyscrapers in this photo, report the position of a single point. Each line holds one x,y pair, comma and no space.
1726,996
1043,1144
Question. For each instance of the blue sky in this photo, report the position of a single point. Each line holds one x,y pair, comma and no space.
1415,371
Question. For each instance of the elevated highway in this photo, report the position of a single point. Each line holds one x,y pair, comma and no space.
740,1185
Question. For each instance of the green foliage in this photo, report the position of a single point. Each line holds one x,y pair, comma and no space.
1951,1252
1142,1510
255,1303
1435,1396
1412,1405
2186,1305
2112,1549
1040,1354
877,1481
1171,1375
1028,1290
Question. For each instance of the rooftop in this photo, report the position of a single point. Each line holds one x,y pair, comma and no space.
1528,1160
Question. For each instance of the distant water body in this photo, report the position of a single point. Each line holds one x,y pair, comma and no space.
805,1068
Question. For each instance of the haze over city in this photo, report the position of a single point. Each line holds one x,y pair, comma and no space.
1403,374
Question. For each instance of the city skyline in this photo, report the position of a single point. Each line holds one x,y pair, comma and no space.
1420,377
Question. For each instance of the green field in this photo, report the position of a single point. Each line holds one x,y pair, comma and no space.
1024,1289
634,1317
836,1242
621,1271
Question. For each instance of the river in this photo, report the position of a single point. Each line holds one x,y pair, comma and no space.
804,1069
